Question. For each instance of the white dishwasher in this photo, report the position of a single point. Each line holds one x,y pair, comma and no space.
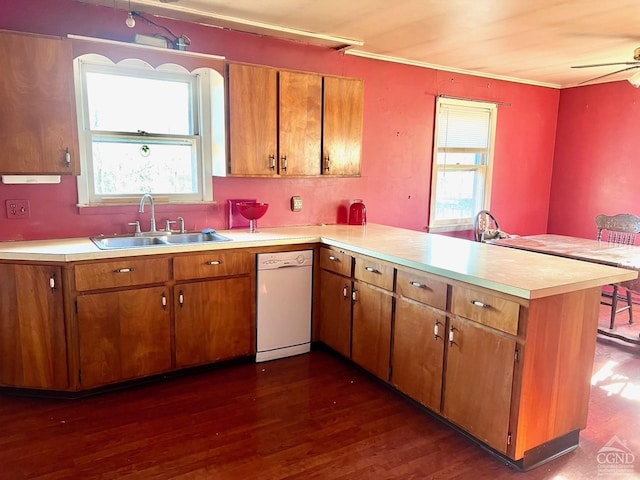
284,304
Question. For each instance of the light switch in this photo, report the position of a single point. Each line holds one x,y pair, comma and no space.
296,204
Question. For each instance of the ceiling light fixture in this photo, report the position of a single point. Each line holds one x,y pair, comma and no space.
635,79
130,21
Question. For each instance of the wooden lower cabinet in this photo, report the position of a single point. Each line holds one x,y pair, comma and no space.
33,349
418,353
335,312
123,335
478,381
212,321
371,336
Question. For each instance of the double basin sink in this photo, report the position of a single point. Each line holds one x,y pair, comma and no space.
159,239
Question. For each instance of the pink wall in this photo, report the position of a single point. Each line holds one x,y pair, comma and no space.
398,127
596,167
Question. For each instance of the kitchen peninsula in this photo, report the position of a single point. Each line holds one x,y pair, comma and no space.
497,342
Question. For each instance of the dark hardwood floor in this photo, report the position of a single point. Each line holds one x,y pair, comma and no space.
308,417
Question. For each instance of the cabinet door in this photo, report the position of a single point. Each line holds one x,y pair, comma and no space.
37,118
342,137
213,321
478,382
300,123
418,353
371,341
33,350
123,335
335,312
252,120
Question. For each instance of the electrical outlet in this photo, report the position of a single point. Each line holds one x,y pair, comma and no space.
296,204
17,209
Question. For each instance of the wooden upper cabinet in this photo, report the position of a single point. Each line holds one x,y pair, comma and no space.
253,120
300,125
280,120
32,329
38,129
343,117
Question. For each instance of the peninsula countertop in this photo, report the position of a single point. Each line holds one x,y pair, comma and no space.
523,274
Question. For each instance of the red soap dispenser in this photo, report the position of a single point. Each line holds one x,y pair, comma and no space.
357,213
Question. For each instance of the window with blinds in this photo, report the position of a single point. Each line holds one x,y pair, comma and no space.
462,163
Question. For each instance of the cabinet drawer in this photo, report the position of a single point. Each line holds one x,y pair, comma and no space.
336,260
212,264
124,273
486,309
422,287
375,272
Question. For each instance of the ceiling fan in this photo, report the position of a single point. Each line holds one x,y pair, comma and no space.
634,80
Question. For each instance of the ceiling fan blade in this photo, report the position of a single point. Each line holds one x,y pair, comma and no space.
605,64
609,74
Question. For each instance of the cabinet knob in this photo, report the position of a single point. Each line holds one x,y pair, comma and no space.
164,301
284,163
214,262
67,158
345,291
180,298
451,337
332,258
327,163
436,330
272,162
418,284
354,295
480,304
123,270
52,282
372,269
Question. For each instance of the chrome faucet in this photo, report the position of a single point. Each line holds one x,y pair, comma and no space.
153,210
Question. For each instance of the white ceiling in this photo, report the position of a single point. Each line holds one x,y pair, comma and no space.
534,41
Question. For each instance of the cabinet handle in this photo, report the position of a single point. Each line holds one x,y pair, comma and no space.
478,303
123,270
180,298
327,163
436,330
345,291
372,270
52,282
164,301
284,163
272,162
451,337
354,295
332,258
417,284
67,158
214,262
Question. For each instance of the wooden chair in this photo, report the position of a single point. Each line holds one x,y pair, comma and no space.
620,229
485,226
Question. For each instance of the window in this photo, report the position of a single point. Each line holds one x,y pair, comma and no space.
462,163
146,130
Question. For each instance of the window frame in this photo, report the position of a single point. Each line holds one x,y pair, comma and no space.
485,169
206,104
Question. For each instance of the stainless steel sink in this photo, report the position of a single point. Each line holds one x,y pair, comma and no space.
141,241
178,238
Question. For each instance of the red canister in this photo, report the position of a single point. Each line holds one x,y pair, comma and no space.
357,213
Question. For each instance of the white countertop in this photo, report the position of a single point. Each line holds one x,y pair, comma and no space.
523,274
